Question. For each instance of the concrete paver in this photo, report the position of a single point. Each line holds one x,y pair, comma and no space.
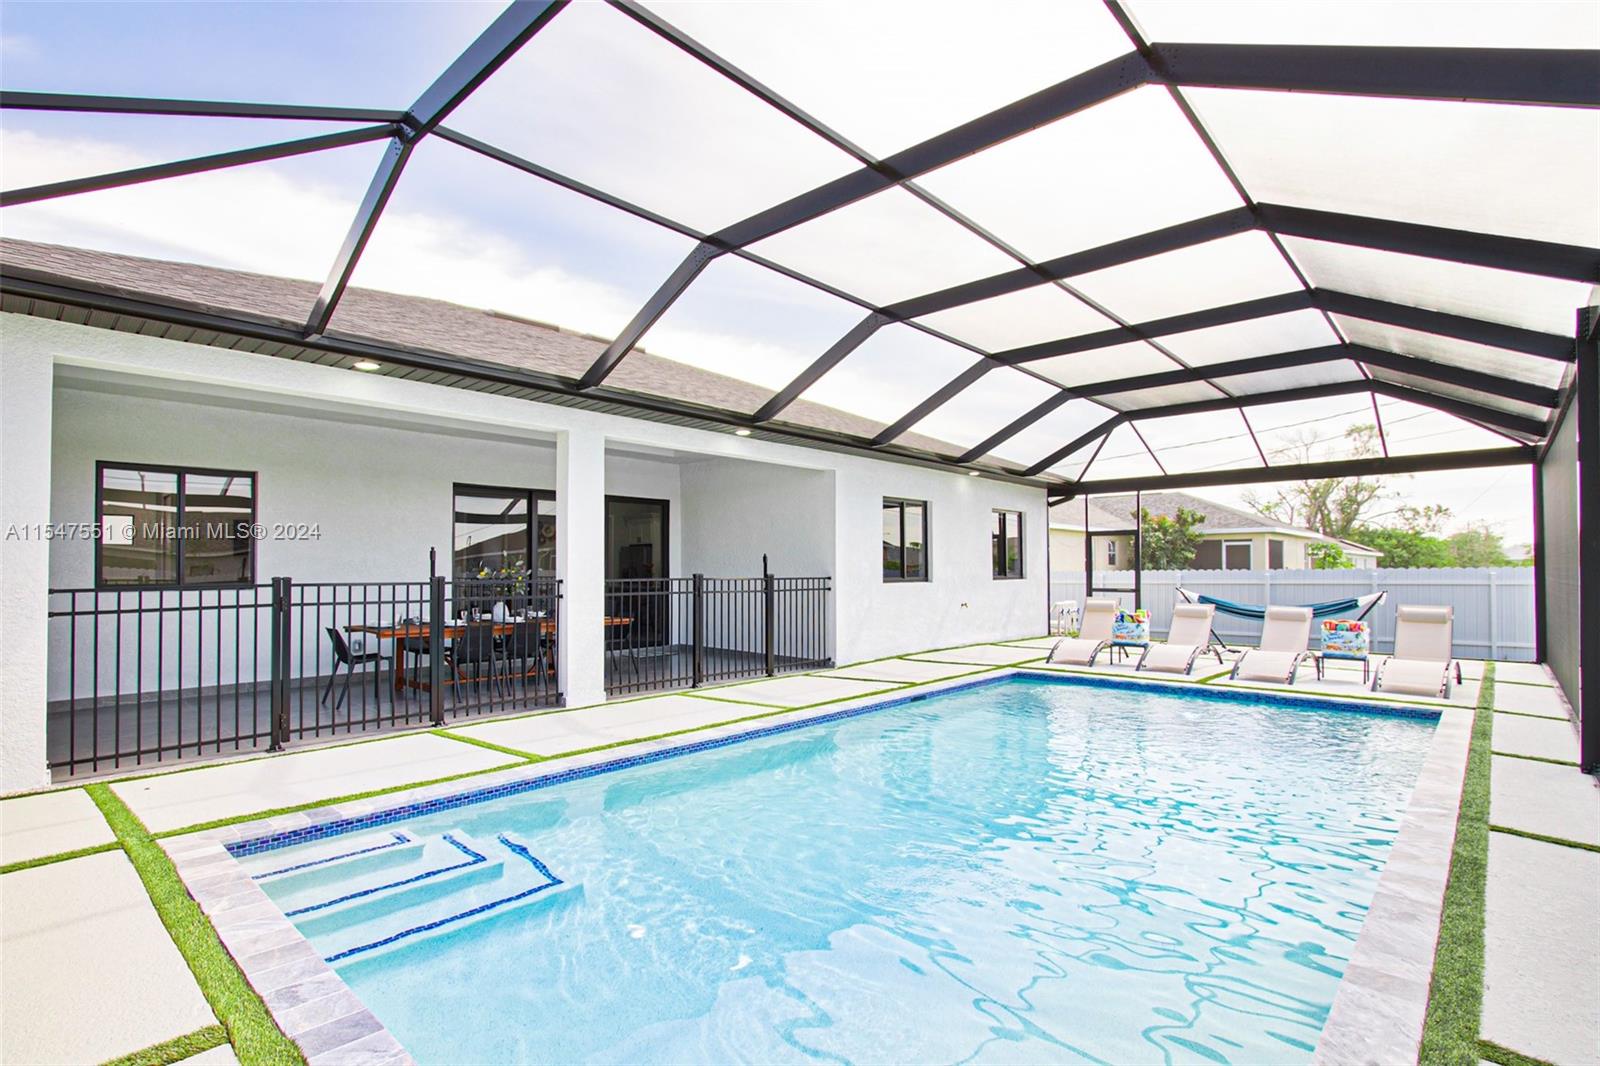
902,671
1540,983
1529,699
1540,737
796,691
561,732
983,655
32,827
1518,673
90,972
1540,797
172,801
222,1055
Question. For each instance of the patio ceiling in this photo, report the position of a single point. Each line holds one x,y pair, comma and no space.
1164,243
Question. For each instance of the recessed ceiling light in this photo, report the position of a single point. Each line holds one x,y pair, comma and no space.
972,473
367,364
741,433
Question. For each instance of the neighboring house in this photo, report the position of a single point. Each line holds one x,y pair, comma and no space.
1231,538
176,454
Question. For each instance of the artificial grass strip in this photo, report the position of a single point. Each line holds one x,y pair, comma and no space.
526,756
330,801
177,1049
60,856
1534,758
1455,997
255,1037
1563,841
1504,1056
1541,717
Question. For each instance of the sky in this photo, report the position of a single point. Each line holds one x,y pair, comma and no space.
600,99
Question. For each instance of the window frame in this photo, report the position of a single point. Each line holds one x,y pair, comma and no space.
1111,553
900,503
1249,547
182,473
535,496
998,530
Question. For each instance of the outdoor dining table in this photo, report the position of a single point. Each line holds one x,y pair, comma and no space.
398,631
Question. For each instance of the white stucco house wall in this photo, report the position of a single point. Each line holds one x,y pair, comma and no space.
371,461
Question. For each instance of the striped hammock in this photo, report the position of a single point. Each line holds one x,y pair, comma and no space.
1330,609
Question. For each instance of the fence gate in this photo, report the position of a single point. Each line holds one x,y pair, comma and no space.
684,632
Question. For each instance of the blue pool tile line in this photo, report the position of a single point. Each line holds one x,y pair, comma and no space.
551,881
1256,697
473,859
399,839
335,827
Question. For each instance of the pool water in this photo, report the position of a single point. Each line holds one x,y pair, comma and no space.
1029,871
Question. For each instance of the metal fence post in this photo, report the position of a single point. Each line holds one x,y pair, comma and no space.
697,607
436,649
282,640
769,595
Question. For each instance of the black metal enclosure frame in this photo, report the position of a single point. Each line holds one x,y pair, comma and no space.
1539,77
1503,401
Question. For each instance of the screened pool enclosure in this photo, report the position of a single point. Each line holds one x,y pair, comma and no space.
1086,246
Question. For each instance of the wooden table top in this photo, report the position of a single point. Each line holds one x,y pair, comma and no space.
420,630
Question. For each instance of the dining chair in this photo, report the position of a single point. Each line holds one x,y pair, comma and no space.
345,656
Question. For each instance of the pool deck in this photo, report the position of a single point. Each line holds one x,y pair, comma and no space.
81,940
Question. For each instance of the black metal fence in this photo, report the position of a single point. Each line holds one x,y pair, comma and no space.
142,676
684,632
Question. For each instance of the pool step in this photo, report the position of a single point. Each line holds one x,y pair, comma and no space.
310,890
333,862
467,864
460,880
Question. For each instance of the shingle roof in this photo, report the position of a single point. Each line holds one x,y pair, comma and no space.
423,323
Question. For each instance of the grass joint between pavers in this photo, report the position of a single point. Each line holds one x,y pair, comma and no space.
1455,996
177,1049
1545,838
60,856
527,756
256,1038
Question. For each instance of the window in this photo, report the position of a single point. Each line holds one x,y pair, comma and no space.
905,540
1236,555
1006,547
504,529
1111,553
172,526
1274,555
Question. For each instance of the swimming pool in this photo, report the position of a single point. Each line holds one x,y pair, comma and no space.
1030,871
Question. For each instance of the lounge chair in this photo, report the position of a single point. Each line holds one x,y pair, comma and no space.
1284,638
1189,635
1094,633
1420,665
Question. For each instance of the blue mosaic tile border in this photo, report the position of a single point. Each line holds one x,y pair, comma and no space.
1256,697
336,827
550,881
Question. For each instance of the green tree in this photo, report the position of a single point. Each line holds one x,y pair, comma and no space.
1477,545
1404,548
1337,507
1326,555
1169,543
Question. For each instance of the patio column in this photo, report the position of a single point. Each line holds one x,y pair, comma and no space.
26,384
580,563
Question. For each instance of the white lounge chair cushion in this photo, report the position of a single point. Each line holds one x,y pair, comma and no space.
1259,665
1076,650
1413,676
1177,658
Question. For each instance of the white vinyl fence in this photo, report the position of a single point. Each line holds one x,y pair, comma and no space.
1493,605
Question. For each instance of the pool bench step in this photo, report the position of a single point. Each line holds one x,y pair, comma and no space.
335,865
509,878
